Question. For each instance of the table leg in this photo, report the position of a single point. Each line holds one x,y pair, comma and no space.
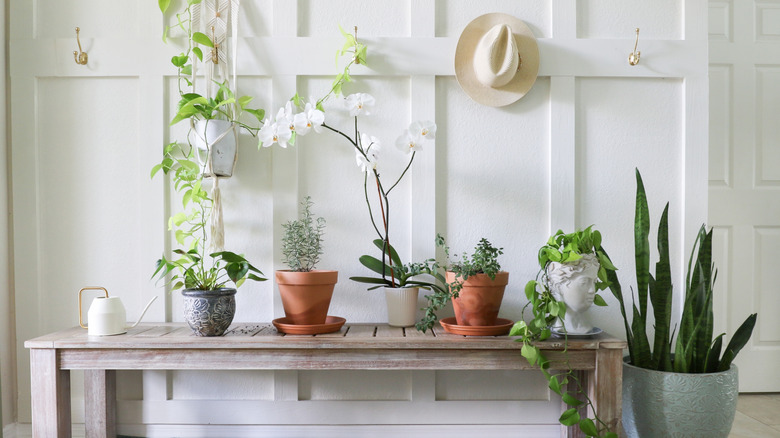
100,403
584,380
50,395
607,393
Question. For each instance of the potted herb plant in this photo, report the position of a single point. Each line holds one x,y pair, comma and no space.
306,292
475,285
400,283
685,386
209,305
572,269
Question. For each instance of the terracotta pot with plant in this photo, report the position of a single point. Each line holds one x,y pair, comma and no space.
306,292
475,284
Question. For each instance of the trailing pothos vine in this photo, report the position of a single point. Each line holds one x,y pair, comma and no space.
562,248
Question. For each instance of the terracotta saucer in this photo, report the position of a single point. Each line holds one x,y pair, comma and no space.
501,327
332,324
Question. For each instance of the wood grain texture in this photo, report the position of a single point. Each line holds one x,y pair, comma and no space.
51,395
100,403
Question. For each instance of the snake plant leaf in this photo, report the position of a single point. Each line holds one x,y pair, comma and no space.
740,338
661,296
641,244
641,351
711,363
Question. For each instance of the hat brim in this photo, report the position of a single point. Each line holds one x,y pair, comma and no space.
520,84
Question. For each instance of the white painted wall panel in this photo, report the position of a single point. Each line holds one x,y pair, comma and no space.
657,19
494,180
96,18
491,385
215,385
355,385
373,18
606,159
256,18
453,15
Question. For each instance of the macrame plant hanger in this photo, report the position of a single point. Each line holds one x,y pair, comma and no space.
212,18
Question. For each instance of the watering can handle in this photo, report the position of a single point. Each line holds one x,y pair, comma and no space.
82,290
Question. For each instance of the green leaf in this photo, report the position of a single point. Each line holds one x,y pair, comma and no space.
587,427
571,400
555,384
179,60
570,417
530,290
198,53
518,328
530,352
163,4
371,280
740,338
597,300
202,38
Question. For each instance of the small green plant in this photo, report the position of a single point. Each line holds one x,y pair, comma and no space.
399,274
302,240
484,260
695,350
545,309
193,269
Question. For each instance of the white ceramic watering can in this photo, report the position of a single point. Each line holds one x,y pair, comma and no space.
107,316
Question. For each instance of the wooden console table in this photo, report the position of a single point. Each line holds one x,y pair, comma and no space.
171,346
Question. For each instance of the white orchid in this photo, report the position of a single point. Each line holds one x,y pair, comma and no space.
410,142
369,159
310,118
426,129
285,116
275,132
359,103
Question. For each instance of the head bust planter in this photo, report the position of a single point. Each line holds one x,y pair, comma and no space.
574,284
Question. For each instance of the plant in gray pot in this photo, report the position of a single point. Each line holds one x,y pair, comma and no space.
209,306
689,390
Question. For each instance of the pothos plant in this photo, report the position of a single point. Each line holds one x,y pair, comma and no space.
289,124
484,260
192,105
192,268
545,309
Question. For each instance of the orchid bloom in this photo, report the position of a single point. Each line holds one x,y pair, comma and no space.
426,129
359,103
285,116
410,142
309,118
276,132
371,146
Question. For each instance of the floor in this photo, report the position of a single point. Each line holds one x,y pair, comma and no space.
758,416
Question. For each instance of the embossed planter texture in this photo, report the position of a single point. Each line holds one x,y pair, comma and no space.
306,295
480,299
401,306
659,404
209,312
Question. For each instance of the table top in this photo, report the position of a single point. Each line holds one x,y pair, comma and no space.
265,335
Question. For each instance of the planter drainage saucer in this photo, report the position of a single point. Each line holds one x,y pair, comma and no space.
332,324
501,327
591,333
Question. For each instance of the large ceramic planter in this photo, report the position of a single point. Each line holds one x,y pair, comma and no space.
216,143
480,299
306,295
659,404
209,312
401,306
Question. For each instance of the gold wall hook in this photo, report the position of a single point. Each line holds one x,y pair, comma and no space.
633,58
80,57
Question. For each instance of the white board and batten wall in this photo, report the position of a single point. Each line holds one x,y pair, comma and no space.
86,212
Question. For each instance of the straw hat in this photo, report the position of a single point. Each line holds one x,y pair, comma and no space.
497,59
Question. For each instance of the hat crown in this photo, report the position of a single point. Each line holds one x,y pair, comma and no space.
496,57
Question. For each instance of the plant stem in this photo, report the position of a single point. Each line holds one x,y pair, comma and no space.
402,173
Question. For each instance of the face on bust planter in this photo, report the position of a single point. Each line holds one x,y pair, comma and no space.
578,292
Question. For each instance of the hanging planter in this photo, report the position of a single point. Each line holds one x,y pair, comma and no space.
216,145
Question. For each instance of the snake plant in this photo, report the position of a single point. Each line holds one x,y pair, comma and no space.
695,350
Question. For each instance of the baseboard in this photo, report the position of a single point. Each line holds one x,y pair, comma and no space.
296,431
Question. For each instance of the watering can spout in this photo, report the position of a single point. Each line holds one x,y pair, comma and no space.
144,312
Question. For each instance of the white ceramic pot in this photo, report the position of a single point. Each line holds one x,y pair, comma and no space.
216,143
401,306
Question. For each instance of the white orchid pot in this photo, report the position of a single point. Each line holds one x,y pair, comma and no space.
401,306
216,143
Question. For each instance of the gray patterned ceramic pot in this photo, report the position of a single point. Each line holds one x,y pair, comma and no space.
659,404
209,312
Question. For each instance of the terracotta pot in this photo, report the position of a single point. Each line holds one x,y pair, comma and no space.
480,299
306,295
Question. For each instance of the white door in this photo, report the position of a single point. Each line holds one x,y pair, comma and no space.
744,188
